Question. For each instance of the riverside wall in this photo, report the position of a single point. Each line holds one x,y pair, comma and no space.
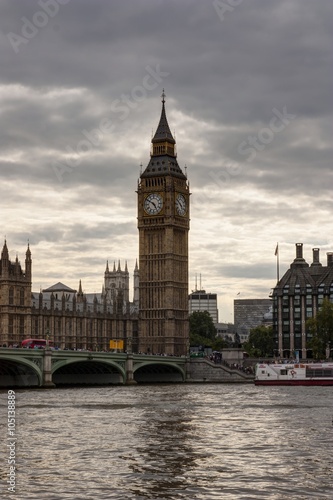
203,370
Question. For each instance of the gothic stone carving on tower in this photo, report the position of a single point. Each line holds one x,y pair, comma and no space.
15,298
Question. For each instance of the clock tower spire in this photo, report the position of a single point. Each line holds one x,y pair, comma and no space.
163,223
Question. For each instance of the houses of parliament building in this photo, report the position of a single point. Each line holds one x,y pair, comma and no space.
156,321
68,317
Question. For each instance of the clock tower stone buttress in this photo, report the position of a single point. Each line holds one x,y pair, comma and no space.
163,223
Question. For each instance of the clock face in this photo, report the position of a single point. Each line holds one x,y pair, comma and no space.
181,205
153,204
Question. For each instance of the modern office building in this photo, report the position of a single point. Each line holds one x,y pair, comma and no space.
248,314
297,297
200,300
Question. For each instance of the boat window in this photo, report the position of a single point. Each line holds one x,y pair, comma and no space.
283,372
310,372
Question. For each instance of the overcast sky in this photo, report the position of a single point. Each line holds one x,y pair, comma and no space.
248,94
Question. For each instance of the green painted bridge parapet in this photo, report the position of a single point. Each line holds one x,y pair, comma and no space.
48,368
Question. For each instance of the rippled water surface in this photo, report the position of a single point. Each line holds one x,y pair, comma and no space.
173,442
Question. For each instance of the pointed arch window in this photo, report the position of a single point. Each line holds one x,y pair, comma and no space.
11,295
11,324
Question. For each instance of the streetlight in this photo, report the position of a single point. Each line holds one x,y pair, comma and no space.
129,345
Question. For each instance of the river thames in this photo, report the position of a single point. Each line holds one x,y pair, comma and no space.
201,441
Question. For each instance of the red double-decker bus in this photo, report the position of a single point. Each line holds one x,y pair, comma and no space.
36,343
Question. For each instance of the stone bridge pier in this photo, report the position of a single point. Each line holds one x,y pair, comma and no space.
47,369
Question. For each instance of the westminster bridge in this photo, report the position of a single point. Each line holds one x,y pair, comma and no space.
50,368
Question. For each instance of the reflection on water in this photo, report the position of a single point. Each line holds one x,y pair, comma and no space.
174,442
165,455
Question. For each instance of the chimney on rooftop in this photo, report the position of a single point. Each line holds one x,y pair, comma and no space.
315,252
299,250
299,261
329,258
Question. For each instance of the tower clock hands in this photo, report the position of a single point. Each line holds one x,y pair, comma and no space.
181,205
153,203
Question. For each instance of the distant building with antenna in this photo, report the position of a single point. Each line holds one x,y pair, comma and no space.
200,300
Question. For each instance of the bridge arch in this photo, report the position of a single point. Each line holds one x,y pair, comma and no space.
87,371
20,371
155,371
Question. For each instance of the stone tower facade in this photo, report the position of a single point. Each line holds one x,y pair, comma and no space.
15,297
116,282
163,223
136,278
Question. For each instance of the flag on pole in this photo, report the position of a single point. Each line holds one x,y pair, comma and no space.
276,253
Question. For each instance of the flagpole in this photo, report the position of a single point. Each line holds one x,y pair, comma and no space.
277,263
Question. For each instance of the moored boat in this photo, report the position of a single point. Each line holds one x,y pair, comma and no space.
294,374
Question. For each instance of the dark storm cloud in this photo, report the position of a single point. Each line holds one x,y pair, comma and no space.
233,81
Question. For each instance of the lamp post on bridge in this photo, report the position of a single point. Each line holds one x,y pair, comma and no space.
129,345
47,367
47,338
129,363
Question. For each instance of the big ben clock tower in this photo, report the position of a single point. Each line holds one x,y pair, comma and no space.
163,223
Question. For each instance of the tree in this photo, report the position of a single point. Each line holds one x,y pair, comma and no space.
321,329
260,343
201,323
202,329
220,343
